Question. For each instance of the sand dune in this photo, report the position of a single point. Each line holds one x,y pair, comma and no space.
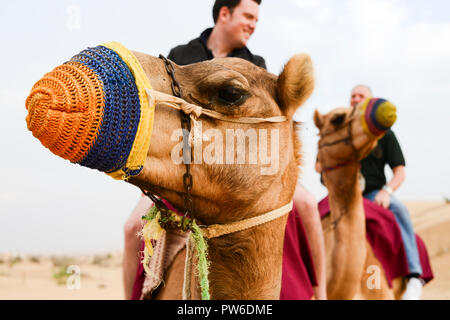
47,277
431,221
43,277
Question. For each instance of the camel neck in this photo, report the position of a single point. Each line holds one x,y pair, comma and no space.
254,267
347,239
344,192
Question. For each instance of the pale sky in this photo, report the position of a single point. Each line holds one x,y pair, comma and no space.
401,48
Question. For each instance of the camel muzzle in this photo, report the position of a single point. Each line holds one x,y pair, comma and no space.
378,115
93,110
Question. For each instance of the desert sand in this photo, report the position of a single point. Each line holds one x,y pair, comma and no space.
100,275
48,277
432,222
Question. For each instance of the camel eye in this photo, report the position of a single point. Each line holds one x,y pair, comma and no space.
338,119
231,95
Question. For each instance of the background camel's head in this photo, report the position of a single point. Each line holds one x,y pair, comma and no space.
348,134
94,111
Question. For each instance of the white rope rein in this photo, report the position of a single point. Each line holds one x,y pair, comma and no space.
170,101
218,230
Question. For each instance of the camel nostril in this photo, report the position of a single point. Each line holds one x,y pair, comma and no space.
62,109
35,104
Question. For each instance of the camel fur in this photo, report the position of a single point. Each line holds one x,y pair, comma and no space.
246,264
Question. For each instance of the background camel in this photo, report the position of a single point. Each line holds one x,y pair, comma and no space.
244,265
346,138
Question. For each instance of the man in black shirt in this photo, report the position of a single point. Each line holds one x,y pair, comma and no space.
376,189
234,23
197,50
387,151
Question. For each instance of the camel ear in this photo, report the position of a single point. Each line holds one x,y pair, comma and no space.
295,83
318,119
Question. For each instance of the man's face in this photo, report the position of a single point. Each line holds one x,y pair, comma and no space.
359,94
241,23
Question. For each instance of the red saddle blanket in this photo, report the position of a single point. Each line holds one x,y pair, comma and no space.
383,234
298,276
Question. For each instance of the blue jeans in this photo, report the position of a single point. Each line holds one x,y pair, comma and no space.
401,214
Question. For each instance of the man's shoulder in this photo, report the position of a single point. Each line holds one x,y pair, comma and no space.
259,61
389,136
188,53
197,51
391,145
194,43
246,54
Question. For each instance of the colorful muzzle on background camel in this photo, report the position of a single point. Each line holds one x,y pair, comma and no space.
93,110
378,115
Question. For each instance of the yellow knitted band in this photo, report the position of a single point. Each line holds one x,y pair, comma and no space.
141,144
386,114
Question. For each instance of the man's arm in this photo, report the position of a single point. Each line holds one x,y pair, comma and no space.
396,161
133,243
309,213
318,166
383,198
398,178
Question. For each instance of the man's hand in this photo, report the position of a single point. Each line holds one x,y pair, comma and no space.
383,199
309,214
320,293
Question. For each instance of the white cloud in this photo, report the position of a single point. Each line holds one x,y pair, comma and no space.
324,15
305,3
376,14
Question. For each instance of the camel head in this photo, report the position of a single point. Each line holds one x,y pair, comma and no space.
349,134
107,109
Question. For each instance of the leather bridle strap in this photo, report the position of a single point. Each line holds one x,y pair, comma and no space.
346,140
339,165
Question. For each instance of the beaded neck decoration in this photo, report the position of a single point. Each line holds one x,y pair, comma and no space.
93,110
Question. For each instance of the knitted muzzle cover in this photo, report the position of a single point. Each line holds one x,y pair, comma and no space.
377,116
93,110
